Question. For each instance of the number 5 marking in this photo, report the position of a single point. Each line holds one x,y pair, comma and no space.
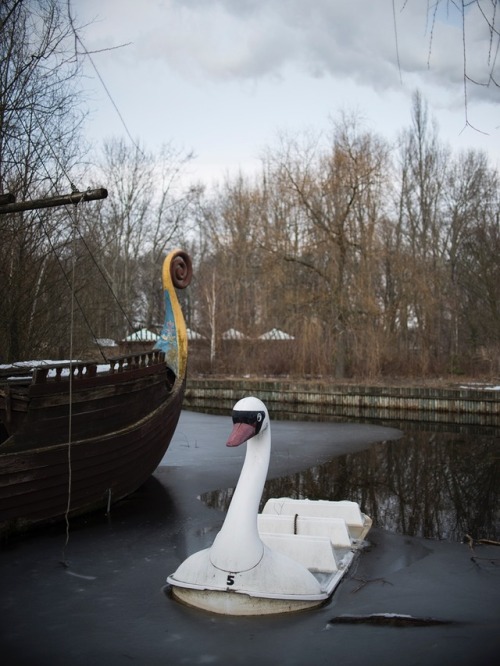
230,579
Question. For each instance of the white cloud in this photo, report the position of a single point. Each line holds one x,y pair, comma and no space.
222,76
233,39
247,39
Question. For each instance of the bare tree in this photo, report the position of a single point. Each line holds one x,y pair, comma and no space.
423,178
474,17
39,131
376,260
39,102
478,280
337,189
470,198
144,215
231,262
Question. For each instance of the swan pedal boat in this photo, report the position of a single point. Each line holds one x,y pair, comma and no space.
290,557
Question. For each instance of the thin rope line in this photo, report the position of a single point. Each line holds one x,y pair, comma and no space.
106,281
70,419
68,281
54,155
75,189
396,41
82,238
86,52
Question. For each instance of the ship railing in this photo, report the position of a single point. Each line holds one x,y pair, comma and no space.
87,369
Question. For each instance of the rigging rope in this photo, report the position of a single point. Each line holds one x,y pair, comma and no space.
107,283
69,281
75,189
70,417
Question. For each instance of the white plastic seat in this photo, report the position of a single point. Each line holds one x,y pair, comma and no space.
357,522
314,553
335,529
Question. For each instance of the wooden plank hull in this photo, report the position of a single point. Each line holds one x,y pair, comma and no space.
35,483
74,439
99,405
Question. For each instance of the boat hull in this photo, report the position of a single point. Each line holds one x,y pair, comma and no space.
234,603
75,436
107,458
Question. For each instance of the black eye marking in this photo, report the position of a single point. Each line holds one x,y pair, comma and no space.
255,419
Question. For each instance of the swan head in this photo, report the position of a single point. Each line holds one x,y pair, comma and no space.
250,418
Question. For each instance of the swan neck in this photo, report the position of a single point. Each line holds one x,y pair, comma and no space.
238,547
248,492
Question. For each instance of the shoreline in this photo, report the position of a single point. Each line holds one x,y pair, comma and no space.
296,398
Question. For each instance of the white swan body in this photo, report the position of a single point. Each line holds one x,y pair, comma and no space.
245,572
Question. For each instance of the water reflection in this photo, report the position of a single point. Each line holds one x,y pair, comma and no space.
427,484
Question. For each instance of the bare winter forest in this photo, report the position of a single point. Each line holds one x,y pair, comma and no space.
380,259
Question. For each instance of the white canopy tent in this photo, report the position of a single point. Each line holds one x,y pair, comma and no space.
144,335
276,334
233,334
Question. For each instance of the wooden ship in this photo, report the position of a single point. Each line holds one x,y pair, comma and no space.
77,436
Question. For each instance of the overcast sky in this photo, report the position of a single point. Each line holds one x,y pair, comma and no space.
224,77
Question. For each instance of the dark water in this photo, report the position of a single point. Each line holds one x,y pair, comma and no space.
440,485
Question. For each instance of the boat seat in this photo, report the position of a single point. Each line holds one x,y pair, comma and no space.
333,528
314,553
357,523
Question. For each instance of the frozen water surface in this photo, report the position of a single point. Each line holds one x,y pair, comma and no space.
107,603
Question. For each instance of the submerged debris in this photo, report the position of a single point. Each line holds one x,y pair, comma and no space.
389,619
483,542
365,581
